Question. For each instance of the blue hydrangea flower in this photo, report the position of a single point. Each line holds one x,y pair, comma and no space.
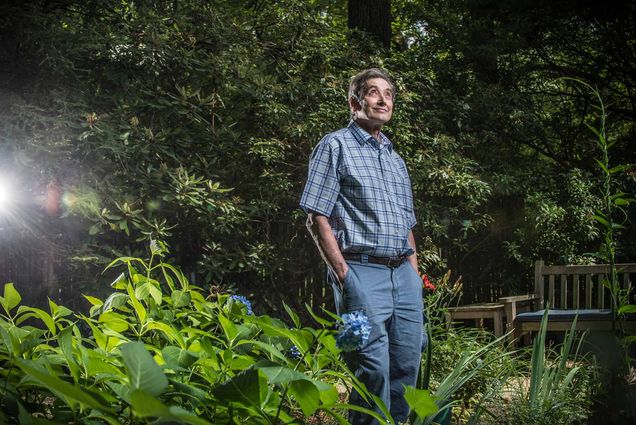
244,301
354,331
294,353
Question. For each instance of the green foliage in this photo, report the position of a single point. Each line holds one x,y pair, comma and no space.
557,226
160,349
559,388
467,368
612,214
461,368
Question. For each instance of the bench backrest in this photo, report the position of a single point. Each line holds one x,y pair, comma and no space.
578,287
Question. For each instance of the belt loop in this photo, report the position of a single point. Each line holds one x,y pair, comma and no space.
364,259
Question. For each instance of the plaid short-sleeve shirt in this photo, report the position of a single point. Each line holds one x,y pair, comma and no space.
363,186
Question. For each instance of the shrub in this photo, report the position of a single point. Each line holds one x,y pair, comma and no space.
160,349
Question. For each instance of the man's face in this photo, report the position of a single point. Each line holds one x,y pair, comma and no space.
377,103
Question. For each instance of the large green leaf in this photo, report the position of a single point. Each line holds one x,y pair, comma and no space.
277,374
243,389
191,390
63,389
328,393
228,327
9,341
139,309
142,292
155,291
65,342
172,333
176,357
421,401
11,296
114,321
180,298
627,308
306,394
115,300
143,372
145,405
318,319
28,312
292,315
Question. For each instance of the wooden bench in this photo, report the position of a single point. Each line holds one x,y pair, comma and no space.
569,291
479,312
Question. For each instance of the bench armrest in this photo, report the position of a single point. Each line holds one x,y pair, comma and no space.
518,298
510,305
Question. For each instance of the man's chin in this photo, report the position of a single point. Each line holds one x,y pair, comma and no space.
373,120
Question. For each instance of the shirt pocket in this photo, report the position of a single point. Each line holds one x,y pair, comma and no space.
399,187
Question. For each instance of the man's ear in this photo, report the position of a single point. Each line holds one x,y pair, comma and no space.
354,104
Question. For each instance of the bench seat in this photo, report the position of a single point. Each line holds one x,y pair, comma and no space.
566,315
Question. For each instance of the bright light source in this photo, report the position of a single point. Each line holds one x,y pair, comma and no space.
6,196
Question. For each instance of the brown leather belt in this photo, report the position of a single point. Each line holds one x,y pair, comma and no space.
391,262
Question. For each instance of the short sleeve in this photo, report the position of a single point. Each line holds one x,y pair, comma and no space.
412,221
323,182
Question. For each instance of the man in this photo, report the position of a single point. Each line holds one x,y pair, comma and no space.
360,213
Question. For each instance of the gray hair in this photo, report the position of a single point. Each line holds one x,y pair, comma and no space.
358,87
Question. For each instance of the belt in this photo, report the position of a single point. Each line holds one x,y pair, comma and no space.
391,262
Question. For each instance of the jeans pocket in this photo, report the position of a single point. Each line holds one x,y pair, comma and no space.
353,295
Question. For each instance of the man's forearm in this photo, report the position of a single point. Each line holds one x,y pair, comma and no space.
320,230
413,258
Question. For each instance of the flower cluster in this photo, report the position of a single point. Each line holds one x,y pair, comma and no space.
294,353
244,301
354,331
427,283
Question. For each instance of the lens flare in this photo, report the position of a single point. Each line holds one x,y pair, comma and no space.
6,196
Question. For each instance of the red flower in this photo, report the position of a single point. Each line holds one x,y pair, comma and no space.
427,283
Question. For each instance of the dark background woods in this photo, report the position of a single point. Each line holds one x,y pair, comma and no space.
192,123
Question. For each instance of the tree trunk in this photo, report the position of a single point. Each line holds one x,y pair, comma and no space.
373,17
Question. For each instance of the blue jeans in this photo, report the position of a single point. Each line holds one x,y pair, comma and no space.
392,300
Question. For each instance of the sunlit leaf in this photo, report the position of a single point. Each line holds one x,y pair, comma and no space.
180,298
292,315
421,401
143,372
28,312
11,297
139,309
627,309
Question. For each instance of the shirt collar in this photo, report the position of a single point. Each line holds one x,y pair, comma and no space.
363,137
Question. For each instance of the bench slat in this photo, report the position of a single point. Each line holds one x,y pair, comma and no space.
575,291
564,291
551,290
588,291
601,290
